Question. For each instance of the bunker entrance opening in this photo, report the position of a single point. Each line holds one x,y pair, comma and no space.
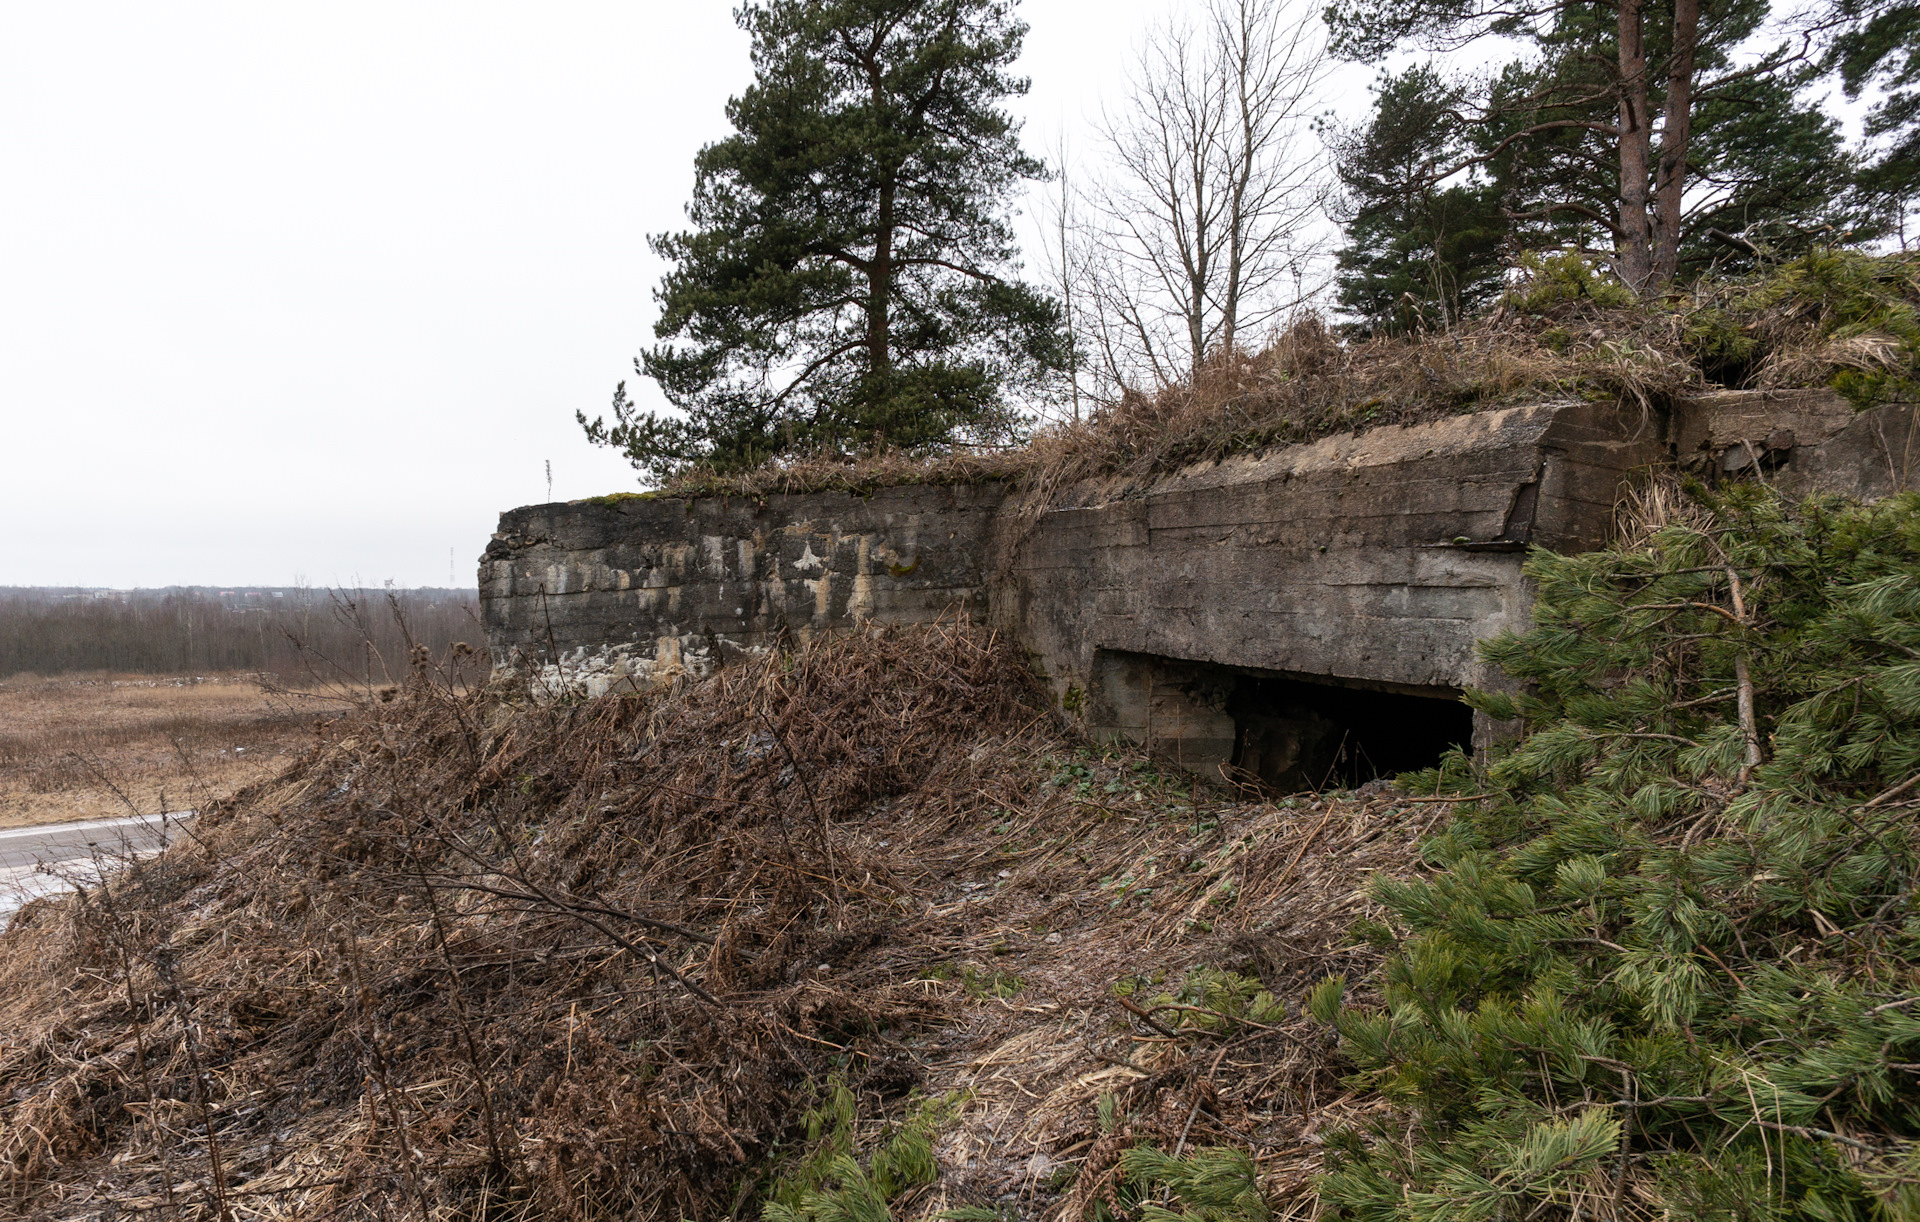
1281,730
1290,734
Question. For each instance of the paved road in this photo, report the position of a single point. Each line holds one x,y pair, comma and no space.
68,850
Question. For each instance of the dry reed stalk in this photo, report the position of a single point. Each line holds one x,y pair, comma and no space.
1652,502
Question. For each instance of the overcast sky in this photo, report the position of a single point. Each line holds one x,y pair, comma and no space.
303,291
312,290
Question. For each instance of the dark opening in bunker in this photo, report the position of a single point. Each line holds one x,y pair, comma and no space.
1291,734
1281,730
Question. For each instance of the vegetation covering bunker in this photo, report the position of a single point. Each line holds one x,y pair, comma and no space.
1305,614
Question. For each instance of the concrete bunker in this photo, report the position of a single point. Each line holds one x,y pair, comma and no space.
1305,615
1280,730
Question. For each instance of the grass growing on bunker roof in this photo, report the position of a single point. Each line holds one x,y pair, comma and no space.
1566,331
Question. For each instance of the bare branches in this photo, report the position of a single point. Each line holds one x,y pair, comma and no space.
589,915
1202,234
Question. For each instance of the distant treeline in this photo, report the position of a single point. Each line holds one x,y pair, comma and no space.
340,635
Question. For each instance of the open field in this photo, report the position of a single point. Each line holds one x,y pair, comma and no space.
98,745
295,634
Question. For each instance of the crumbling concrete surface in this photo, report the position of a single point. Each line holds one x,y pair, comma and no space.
1803,441
637,589
1374,560
1187,612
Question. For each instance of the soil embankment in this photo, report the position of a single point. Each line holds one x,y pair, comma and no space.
664,955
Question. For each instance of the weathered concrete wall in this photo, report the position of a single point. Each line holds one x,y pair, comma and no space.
1376,559
1803,441
600,591
1373,561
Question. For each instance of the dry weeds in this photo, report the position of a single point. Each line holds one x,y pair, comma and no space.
1308,383
595,960
90,746
1836,317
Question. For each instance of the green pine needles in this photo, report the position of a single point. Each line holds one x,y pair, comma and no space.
850,280
1671,969
1212,1185
829,1182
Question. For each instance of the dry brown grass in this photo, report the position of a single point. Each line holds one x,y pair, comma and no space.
1307,384
596,960
90,746
858,474
1833,318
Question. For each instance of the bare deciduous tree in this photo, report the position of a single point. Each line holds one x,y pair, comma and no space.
1202,230
1063,258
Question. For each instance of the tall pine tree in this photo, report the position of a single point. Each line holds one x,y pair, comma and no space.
849,279
1632,127
1880,46
1418,253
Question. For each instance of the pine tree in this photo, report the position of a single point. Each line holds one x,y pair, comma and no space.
1671,967
1880,45
1566,134
849,279
1417,253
